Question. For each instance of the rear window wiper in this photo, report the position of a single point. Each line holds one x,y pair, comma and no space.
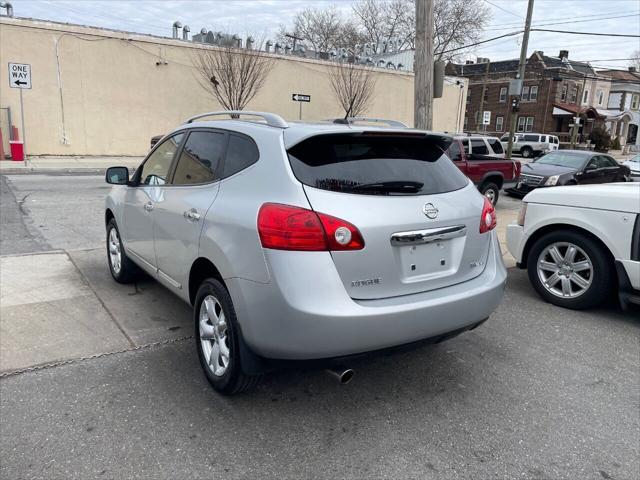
394,186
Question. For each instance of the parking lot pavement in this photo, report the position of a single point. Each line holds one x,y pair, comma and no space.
536,392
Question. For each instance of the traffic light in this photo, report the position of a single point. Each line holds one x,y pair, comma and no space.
515,105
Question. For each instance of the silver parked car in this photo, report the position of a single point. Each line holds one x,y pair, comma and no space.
305,242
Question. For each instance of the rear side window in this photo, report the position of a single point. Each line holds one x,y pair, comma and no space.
375,164
532,138
478,147
241,153
454,151
200,158
495,144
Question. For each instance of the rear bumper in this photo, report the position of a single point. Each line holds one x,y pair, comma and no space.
304,313
628,272
515,235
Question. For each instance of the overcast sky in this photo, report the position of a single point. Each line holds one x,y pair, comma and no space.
262,17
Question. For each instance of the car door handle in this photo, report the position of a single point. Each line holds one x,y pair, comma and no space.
148,206
192,215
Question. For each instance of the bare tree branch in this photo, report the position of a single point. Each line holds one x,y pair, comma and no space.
353,86
233,76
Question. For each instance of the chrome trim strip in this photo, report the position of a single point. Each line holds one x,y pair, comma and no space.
430,235
169,280
138,258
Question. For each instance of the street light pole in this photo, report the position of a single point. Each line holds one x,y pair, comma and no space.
423,66
521,71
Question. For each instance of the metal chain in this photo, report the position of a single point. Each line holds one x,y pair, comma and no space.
45,366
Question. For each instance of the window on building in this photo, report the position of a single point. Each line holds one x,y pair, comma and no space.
585,96
503,94
466,123
525,93
533,93
499,124
485,94
521,122
635,101
600,97
529,125
574,94
563,94
468,95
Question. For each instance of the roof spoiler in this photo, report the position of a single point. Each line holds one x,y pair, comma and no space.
351,120
271,119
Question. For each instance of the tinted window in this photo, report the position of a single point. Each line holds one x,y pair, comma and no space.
241,153
454,151
156,168
375,165
200,158
465,145
531,138
495,144
609,162
478,147
600,161
563,159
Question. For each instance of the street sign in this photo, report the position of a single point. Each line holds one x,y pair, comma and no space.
486,117
20,75
515,87
300,97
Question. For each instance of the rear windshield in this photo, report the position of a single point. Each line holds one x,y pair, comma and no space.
371,164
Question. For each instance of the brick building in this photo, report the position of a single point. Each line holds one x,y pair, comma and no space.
555,89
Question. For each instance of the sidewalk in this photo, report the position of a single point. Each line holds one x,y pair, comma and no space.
67,164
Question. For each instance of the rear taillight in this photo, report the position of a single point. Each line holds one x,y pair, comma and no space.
283,227
488,220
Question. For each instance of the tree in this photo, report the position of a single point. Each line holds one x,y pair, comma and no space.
635,60
353,86
233,76
382,22
322,30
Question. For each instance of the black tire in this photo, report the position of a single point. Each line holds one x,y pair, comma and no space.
493,190
526,152
128,271
233,380
603,278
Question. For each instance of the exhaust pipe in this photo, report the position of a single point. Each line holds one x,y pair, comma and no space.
343,374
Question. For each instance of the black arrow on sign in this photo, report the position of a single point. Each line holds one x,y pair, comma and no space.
18,82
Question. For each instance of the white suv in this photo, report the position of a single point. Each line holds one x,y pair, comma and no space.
579,242
531,144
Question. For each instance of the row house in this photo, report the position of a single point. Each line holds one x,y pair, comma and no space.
554,91
623,107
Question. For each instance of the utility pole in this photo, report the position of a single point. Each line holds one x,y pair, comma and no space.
423,66
484,90
521,71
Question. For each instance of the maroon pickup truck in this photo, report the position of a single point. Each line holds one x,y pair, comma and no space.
482,160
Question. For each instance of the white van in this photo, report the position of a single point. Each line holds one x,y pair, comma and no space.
531,144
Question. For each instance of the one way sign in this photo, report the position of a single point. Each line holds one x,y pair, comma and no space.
300,97
19,75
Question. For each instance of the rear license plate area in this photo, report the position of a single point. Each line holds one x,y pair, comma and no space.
430,260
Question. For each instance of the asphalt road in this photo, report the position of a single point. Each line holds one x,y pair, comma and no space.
536,392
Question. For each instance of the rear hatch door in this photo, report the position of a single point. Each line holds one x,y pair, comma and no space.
418,214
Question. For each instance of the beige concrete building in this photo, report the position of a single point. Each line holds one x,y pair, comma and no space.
104,92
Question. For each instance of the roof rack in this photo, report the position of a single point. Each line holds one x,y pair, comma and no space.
271,119
350,120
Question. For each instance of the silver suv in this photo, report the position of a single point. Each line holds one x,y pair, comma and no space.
305,242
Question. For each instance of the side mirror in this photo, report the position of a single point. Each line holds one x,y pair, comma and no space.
117,175
590,168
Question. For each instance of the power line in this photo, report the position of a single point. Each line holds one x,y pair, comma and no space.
601,14
584,33
481,42
503,9
570,21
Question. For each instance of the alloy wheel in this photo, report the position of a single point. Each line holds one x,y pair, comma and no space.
565,270
213,335
115,255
